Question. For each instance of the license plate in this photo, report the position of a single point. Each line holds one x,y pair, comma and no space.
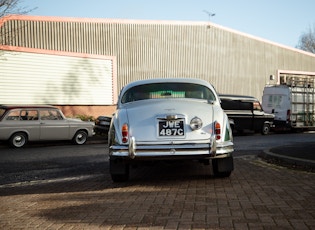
171,128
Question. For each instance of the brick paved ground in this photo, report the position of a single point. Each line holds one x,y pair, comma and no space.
164,196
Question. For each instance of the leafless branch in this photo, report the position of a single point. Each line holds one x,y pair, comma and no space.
307,40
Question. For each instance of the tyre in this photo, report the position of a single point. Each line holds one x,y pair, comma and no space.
119,170
240,131
122,176
80,137
232,128
18,140
222,167
119,177
265,129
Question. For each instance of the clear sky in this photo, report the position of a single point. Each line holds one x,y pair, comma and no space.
280,21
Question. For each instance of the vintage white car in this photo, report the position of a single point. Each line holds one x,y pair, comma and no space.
169,119
22,123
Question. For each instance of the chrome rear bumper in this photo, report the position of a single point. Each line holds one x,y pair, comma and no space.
200,150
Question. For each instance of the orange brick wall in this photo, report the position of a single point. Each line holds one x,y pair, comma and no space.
92,110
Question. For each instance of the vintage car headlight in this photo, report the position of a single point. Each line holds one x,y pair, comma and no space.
195,123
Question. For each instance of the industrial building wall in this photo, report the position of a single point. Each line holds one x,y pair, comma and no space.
233,62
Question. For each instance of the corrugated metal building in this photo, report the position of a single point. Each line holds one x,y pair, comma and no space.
116,52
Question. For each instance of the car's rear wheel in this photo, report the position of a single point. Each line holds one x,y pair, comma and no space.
222,167
121,177
80,137
119,170
18,140
265,129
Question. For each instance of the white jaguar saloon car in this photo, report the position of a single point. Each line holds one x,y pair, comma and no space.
169,119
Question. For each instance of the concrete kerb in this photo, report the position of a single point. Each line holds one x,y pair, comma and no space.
288,161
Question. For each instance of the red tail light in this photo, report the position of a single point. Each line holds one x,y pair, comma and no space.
218,130
125,133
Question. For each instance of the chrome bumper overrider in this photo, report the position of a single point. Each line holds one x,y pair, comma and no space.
134,150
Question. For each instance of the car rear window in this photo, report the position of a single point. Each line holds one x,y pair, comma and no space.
167,90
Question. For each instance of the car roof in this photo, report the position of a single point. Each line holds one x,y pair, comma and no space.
237,97
8,107
166,80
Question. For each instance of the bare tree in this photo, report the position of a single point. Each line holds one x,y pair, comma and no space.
307,40
12,7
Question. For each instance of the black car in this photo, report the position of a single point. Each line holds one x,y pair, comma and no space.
246,113
102,124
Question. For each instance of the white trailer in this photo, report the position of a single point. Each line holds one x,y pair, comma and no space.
292,101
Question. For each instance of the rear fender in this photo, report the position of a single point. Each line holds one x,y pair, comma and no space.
226,131
114,134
